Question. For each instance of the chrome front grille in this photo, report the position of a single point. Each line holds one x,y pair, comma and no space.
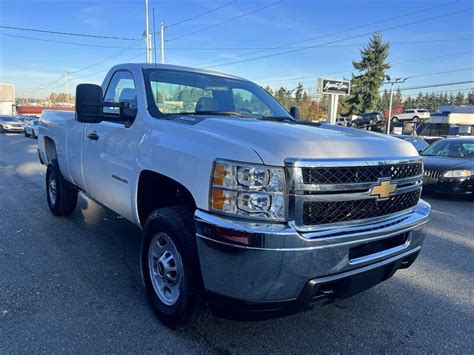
357,174
330,194
322,212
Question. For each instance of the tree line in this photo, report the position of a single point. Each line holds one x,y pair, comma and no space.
366,83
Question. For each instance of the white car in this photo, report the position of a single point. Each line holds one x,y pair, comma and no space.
10,124
240,203
32,128
411,115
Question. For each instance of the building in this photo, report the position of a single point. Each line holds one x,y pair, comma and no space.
7,99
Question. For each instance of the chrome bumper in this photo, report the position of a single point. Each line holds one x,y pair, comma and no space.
277,262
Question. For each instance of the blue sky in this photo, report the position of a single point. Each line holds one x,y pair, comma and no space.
32,63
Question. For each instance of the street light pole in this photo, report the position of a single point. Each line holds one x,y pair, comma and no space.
147,31
391,82
162,35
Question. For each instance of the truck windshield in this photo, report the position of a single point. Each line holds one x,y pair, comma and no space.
172,92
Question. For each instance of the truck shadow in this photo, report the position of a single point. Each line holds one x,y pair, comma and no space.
396,316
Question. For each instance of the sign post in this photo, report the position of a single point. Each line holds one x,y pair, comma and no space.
333,88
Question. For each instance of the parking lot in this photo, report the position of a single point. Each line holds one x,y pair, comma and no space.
73,284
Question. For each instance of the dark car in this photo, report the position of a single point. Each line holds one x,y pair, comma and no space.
369,118
419,143
449,167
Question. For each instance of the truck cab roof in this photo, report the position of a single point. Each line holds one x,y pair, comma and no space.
139,66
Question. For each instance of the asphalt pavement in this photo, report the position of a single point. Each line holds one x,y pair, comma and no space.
73,285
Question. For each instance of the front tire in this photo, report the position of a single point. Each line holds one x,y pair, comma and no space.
170,266
60,193
26,134
33,135
1,129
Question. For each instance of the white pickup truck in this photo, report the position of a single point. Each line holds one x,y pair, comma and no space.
240,203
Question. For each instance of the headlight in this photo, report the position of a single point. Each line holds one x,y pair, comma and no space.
248,190
457,173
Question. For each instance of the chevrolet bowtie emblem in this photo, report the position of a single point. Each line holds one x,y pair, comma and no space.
383,190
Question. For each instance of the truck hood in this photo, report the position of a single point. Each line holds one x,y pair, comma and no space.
276,141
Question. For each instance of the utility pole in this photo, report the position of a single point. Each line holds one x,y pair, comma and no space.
162,33
66,81
391,82
148,36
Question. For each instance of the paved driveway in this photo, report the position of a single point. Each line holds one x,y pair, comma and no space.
73,285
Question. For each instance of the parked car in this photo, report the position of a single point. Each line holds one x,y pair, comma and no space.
449,167
369,118
240,203
419,143
344,121
10,124
32,128
411,115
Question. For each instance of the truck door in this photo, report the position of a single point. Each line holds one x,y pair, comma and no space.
110,150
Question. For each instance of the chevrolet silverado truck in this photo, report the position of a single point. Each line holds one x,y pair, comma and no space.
240,204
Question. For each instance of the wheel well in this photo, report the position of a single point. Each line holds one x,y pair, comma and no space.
50,149
157,191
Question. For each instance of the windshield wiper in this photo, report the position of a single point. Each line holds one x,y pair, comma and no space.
277,118
217,113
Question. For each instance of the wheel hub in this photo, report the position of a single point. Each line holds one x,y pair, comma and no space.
165,268
52,189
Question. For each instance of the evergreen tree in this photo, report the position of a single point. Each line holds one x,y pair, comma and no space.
459,99
470,98
366,84
299,94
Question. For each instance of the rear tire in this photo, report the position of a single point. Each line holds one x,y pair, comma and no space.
60,193
170,266
1,129
26,134
33,135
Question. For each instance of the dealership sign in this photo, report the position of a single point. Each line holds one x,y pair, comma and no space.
335,87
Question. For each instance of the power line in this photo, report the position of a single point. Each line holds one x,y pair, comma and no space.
337,32
225,21
227,48
67,33
343,39
329,46
108,58
61,42
201,14
436,85
350,71
441,72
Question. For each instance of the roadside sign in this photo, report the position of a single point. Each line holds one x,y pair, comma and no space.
333,86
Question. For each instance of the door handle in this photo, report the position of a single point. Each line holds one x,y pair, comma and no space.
93,136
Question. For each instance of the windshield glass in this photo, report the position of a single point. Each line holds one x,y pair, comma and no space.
172,92
418,143
7,119
454,149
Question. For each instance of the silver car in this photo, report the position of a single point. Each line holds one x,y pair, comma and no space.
10,124
32,128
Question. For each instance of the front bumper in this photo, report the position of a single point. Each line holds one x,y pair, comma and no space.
13,129
454,186
256,263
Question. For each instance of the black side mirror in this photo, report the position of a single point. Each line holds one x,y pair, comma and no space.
89,103
295,112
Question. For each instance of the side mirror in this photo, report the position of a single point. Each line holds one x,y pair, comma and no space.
295,112
89,103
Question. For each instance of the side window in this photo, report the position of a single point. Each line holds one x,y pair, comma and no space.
121,89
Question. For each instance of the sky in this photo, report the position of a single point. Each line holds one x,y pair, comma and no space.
271,42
